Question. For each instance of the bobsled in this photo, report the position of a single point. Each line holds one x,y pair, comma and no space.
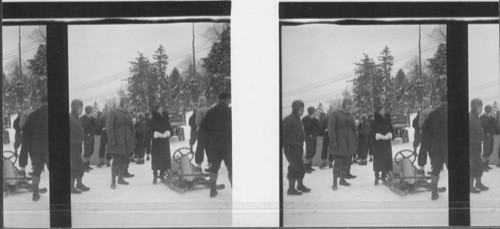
13,178
405,176
184,176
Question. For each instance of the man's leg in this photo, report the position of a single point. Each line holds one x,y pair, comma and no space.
422,155
309,154
296,167
87,153
324,150
438,161
488,150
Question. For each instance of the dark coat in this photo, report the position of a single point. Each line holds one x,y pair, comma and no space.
37,127
488,124
382,149
342,129
311,126
437,127
76,138
217,125
101,123
120,129
292,131
160,148
475,129
89,125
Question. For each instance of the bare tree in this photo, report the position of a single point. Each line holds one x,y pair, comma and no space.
39,35
214,33
438,34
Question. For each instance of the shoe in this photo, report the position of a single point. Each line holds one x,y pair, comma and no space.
293,192
128,175
36,196
482,187
349,176
82,187
434,196
122,181
75,191
213,193
344,182
147,158
303,188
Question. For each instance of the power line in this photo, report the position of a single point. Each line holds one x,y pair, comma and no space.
16,55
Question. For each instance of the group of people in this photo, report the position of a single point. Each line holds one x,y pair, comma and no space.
125,138
348,139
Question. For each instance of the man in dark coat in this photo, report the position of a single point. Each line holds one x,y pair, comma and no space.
203,140
293,142
436,125
37,128
76,139
343,143
425,141
217,125
17,128
311,129
475,138
89,125
26,142
488,124
325,156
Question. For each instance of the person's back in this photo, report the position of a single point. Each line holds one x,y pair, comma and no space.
37,125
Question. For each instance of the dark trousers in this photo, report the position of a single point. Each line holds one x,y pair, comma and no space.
17,140
311,142
324,148
218,157
476,168
147,144
139,147
417,139
202,148
371,140
488,142
363,147
341,165
119,165
296,166
40,157
26,146
424,149
77,169
88,146
193,137
102,146
438,159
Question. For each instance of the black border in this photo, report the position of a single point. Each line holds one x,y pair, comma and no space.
450,13
1,109
54,16
326,10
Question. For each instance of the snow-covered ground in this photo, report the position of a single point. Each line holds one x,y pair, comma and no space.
485,207
363,203
20,210
139,204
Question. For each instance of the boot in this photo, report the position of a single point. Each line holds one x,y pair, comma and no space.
155,176
120,178
335,176
35,183
213,184
126,174
291,188
480,185
323,165
471,186
74,190
113,182
80,185
434,188
301,187
342,179
377,177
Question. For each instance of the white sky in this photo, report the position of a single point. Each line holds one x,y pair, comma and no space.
100,52
484,61
10,39
318,52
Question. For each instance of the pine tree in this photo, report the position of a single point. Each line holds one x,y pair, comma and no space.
139,83
38,69
387,95
364,84
218,66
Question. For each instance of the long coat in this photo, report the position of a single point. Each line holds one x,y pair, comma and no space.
217,125
342,129
160,148
437,127
382,149
120,129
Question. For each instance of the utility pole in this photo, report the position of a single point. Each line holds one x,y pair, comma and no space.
194,58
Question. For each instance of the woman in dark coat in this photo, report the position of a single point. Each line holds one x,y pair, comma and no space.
342,133
121,141
382,149
160,148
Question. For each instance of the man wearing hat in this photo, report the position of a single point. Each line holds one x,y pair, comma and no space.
217,125
76,139
475,138
89,125
292,134
488,124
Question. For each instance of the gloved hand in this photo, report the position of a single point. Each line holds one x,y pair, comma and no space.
157,134
379,137
389,136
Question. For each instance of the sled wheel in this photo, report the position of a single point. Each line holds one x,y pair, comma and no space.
403,154
10,155
184,151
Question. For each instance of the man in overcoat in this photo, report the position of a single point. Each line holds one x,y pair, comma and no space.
343,142
89,125
488,124
293,142
436,126
311,130
475,138
76,140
